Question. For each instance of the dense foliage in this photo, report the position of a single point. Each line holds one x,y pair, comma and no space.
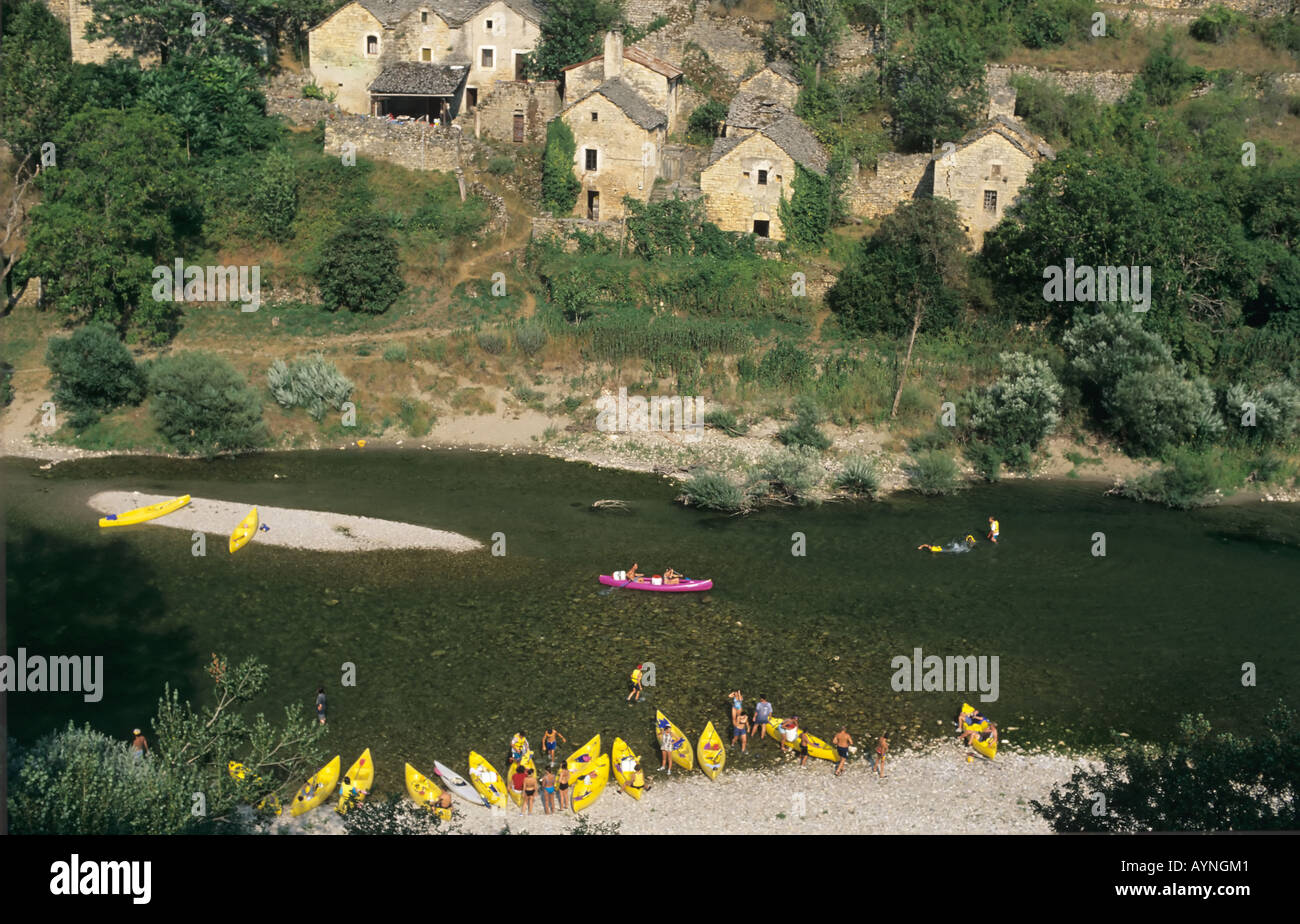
359,268
202,404
572,31
93,373
559,186
311,382
806,215
1020,409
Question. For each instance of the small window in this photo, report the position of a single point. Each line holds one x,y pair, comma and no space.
489,25
761,228
424,17
487,57
762,178
990,200
591,158
426,54
778,178
997,170
372,44
746,174
595,117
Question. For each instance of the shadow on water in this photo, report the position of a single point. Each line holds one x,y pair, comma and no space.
70,598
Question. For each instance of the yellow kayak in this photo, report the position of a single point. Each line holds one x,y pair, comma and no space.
487,781
270,803
144,514
316,790
967,711
988,748
244,531
357,782
588,787
619,753
580,760
712,753
421,789
816,746
527,764
683,756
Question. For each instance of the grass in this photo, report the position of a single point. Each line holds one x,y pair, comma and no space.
1129,52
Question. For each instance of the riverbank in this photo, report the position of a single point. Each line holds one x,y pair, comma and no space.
313,530
930,790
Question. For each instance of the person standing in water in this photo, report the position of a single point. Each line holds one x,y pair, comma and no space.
762,713
993,529
548,742
842,741
320,704
636,684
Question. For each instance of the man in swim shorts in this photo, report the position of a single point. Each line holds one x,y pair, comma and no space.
636,684
842,741
993,530
740,730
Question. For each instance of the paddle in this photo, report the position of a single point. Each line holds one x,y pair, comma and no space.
606,591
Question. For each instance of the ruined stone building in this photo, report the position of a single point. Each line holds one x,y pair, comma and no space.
762,99
985,173
423,58
749,175
619,138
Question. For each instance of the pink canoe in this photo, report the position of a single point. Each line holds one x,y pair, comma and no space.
644,583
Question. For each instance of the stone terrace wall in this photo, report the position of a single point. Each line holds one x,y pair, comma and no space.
414,145
644,12
539,101
898,178
1107,86
561,228
301,111
1183,12
733,43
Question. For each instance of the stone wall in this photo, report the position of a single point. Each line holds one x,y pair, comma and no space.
988,165
76,13
682,163
735,199
563,227
643,12
337,50
537,101
1251,7
1107,86
415,145
301,111
735,43
898,178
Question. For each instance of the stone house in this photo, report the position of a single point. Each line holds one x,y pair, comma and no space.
776,81
362,53
656,81
620,137
762,99
985,173
748,176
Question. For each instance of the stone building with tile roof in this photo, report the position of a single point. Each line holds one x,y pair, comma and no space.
659,82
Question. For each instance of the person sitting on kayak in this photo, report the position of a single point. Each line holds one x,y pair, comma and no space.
443,811
672,577
973,723
633,574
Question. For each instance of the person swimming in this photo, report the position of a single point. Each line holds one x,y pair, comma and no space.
925,546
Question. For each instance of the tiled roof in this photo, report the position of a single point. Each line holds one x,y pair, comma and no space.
787,133
415,78
1014,132
455,12
632,103
639,56
778,67
750,110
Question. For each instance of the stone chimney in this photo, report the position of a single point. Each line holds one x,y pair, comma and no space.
613,54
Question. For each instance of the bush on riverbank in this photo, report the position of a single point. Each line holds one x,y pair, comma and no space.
791,476
311,382
714,491
93,374
203,405
804,432
934,473
859,476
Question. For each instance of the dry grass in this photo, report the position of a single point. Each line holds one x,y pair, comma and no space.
1245,52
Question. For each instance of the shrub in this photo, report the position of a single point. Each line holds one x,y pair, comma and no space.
1276,411
859,476
726,422
1188,481
311,382
1021,408
358,268
806,215
804,431
984,458
274,198
501,165
933,473
1167,74
311,91
790,475
560,187
530,337
202,404
1152,412
396,353
491,341
713,491
785,365
1217,25
705,121
416,417
6,384
93,374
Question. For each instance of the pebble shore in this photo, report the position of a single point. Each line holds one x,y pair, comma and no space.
316,530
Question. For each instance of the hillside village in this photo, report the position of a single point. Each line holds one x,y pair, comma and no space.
701,119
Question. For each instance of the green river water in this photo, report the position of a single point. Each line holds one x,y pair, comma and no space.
456,652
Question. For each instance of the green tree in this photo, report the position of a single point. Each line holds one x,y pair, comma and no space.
1200,782
703,125
106,220
1020,409
359,267
203,405
935,90
560,187
36,77
275,195
806,215
93,374
169,29
909,274
1153,412
572,31
806,33
1166,74
216,101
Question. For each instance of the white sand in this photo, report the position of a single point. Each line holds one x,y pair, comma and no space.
316,530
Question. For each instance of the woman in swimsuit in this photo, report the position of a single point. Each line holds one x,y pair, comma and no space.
530,792
882,748
672,577
563,782
548,793
633,574
737,703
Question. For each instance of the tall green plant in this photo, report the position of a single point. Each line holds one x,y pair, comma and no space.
560,187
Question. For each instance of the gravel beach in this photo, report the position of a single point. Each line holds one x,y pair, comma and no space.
316,530
931,790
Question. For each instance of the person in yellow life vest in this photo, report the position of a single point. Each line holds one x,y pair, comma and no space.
519,748
638,778
931,548
636,685
970,539
993,530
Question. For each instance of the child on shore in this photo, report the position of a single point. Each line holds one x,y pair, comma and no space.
882,748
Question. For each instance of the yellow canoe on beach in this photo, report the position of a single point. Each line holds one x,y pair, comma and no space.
421,789
270,803
487,781
357,782
144,514
988,748
816,746
580,760
619,753
683,756
527,763
317,789
713,755
244,531
588,787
